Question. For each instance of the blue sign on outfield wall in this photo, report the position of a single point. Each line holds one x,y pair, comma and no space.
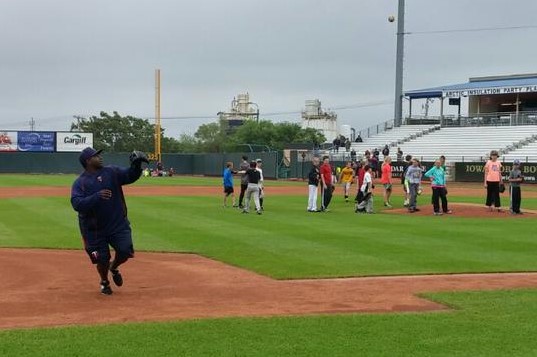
43,141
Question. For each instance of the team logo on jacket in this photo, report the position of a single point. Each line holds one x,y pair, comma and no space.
99,178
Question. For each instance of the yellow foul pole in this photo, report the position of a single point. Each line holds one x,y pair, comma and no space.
157,116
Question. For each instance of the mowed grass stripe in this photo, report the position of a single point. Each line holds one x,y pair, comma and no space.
39,222
66,180
493,323
287,242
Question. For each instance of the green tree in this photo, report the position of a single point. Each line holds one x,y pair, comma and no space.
187,144
211,137
275,135
116,133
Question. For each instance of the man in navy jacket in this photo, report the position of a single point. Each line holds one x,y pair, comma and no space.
98,198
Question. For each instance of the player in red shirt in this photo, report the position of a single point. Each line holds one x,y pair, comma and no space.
360,173
327,183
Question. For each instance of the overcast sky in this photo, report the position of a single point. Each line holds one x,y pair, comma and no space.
62,58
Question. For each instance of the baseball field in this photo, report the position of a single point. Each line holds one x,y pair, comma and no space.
209,281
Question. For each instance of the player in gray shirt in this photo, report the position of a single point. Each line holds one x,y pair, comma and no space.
244,166
413,175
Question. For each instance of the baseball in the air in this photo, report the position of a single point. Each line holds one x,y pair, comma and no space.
391,18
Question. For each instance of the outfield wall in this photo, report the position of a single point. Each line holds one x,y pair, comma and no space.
213,164
474,171
183,164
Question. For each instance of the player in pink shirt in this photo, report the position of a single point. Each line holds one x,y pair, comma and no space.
493,179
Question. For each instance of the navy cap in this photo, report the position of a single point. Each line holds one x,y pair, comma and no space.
516,162
86,154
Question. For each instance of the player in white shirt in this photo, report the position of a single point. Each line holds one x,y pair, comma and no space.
261,183
366,206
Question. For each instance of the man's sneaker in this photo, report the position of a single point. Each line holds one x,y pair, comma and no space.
438,213
259,212
244,211
448,211
105,287
388,205
116,276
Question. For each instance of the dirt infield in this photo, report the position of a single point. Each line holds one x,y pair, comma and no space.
60,287
41,191
465,210
14,192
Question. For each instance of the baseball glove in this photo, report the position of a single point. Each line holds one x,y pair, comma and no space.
137,157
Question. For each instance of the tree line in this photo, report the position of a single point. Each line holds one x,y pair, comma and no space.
116,133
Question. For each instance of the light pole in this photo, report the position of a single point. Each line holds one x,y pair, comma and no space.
398,110
257,111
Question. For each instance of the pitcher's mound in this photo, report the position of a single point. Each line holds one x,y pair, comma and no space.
465,210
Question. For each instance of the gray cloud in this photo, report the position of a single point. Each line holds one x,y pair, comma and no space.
63,57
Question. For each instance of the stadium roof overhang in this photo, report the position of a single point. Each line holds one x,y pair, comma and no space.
480,86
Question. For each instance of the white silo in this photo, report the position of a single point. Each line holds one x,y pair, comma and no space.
313,107
243,103
314,117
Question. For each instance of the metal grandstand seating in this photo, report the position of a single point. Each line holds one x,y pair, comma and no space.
474,143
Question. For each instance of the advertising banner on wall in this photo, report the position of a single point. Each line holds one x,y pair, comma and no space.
73,142
36,141
399,167
475,171
489,91
8,141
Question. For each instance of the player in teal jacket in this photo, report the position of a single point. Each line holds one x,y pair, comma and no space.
437,175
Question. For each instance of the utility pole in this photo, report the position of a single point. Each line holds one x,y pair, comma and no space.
398,112
32,124
157,115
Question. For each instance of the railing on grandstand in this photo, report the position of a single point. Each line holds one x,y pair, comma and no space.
488,119
376,129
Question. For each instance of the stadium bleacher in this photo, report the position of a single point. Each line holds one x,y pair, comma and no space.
457,144
526,153
391,137
469,143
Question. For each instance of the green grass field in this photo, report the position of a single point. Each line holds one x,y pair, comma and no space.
290,243
18,180
498,323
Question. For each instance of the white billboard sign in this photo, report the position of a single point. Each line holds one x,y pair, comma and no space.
8,141
72,141
489,91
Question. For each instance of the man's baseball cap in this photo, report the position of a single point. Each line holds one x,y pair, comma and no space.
516,162
258,160
86,154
